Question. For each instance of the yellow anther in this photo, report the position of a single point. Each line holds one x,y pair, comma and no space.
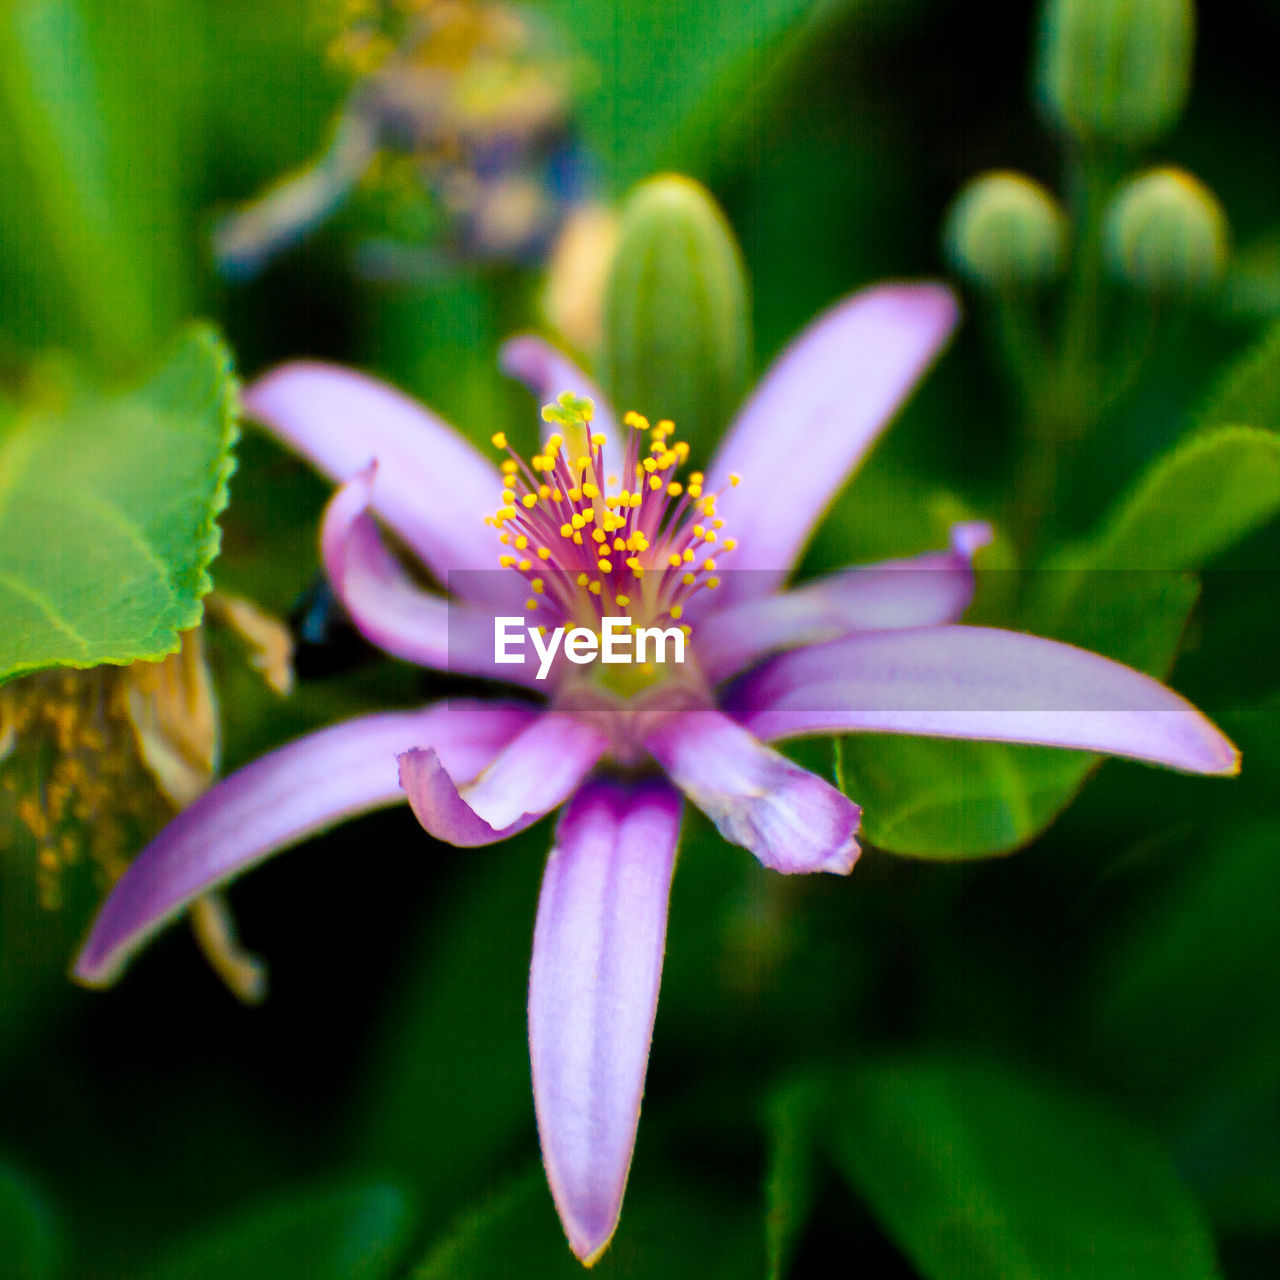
530,604
730,543
655,483
583,463
510,466
696,477
710,535
636,499
688,556
619,545
699,531
695,490
538,586
595,588
583,579
544,553
577,539
525,565
575,495
734,479
605,566
598,534
590,491
498,439
566,531
674,559
676,611
556,495
633,419
687,629
521,542
717,523
554,441
646,668
623,601
544,491
649,465
708,564
578,520
530,500
506,561
504,538
634,565
688,579
598,439
666,426
675,489
712,583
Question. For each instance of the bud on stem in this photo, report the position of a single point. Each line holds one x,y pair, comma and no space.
1116,71
676,325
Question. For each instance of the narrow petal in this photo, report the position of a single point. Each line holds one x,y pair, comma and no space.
814,416
390,609
276,801
593,992
535,773
923,591
789,818
547,372
432,487
978,682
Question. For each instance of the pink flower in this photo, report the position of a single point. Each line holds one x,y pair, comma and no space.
863,650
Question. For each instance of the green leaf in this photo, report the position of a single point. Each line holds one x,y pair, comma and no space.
29,1242
354,1234
91,164
790,1177
1249,392
673,1231
108,508
1194,502
978,1171
1126,593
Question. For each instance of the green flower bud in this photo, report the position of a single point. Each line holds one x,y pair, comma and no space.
1005,229
1116,71
1165,232
676,324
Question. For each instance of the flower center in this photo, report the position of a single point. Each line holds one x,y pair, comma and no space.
638,544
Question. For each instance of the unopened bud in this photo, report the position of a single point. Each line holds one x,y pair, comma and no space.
676,326
1165,232
1006,229
1116,71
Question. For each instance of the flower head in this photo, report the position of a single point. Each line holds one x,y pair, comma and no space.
605,517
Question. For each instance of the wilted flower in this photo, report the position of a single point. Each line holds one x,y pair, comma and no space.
604,521
92,761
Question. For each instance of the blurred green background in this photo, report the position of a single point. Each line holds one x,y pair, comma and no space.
1063,1063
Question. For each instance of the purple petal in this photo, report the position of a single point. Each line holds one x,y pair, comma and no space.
537,771
815,415
924,591
276,801
978,682
789,818
390,609
432,487
547,372
593,991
